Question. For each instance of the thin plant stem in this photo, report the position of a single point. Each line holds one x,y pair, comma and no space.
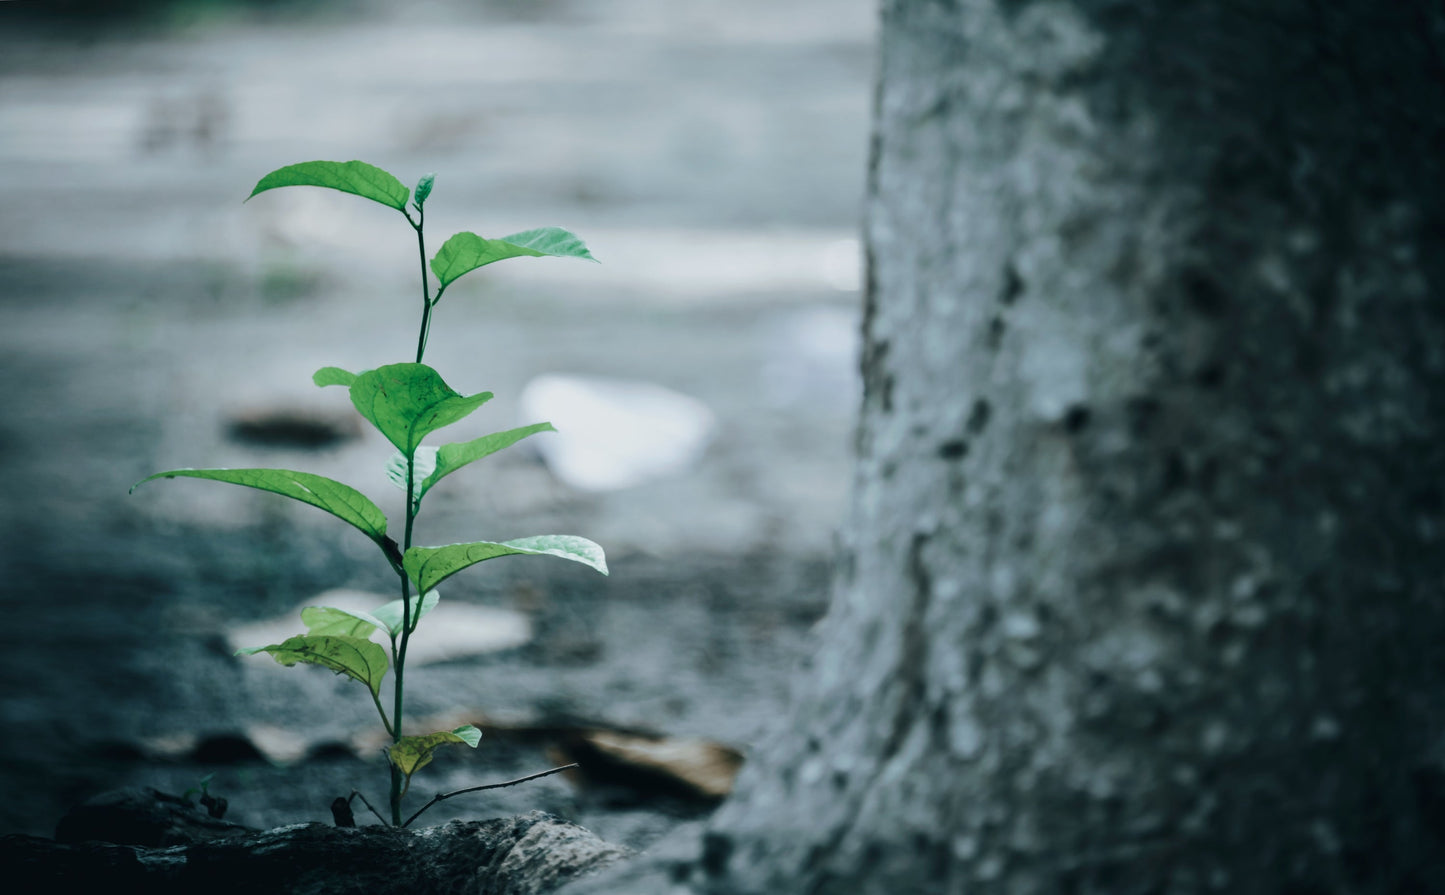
381,711
399,683
443,796
398,789
426,301
356,794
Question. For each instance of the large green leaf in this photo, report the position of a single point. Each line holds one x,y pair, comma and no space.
467,251
333,376
431,464
390,614
411,754
430,566
451,457
330,621
354,657
406,402
341,501
358,178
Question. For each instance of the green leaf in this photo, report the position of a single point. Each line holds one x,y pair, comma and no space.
406,402
424,461
411,754
451,457
431,464
358,178
333,376
354,657
430,566
467,251
390,615
423,189
329,621
341,501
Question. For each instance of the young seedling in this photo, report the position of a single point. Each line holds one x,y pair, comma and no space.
406,402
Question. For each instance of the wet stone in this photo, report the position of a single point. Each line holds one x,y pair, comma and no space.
291,428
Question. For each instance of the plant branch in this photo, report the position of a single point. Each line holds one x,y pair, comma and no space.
399,682
443,796
398,790
356,794
426,301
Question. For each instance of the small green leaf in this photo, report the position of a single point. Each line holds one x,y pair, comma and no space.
430,566
389,615
358,178
451,457
423,189
411,754
329,621
466,251
341,501
424,462
354,657
406,402
333,376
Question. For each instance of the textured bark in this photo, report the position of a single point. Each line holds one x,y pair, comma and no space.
1141,588
527,855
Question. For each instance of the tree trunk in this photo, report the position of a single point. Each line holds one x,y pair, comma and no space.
1141,591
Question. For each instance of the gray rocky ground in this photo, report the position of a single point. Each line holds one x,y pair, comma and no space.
711,154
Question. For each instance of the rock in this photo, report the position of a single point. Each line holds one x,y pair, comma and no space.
292,428
526,855
614,433
677,864
142,816
254,743
280,745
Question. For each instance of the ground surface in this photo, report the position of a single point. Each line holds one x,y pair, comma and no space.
711,155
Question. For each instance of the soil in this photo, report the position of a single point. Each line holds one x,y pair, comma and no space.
712,157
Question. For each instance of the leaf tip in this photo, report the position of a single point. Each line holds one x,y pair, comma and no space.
159,475
333,376
469,735
423,189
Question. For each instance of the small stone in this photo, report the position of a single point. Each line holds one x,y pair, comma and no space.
1325,728
613,434
280,745
287,427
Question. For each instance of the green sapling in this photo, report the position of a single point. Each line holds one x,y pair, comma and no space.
406,402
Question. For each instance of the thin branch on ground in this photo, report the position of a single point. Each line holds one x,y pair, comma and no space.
443,796
356,794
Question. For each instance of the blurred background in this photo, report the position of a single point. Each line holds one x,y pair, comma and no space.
712,155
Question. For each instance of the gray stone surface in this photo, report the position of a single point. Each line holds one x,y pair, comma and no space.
527,855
